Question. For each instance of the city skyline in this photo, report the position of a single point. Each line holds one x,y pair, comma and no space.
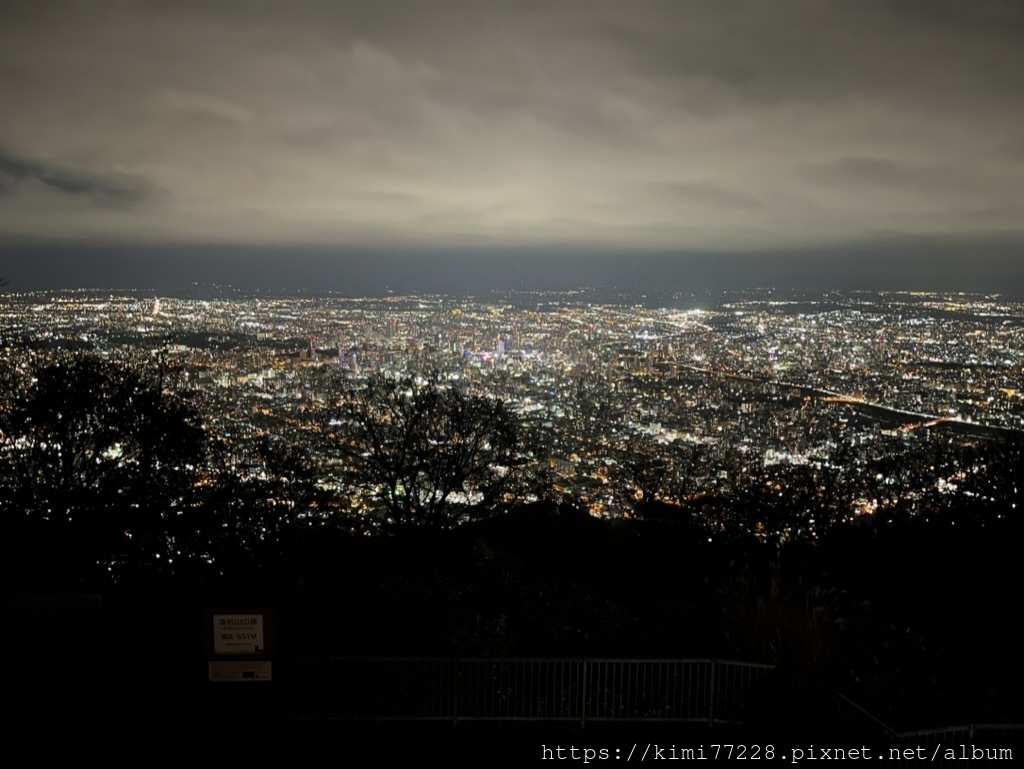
619,402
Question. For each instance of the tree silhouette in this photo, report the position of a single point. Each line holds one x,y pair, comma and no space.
94,451
427,453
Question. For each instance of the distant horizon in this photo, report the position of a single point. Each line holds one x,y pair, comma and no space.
599,294
915,265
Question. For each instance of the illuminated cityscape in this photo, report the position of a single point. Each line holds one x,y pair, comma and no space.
837,403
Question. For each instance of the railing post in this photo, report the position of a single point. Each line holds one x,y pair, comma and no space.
583,694
455,691
711,695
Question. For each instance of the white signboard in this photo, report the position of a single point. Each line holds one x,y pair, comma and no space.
238,634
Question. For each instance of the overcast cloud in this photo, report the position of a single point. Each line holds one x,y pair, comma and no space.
714,126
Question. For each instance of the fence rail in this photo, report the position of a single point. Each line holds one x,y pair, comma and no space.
698,691
582,690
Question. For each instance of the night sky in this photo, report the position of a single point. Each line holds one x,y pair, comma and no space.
425,146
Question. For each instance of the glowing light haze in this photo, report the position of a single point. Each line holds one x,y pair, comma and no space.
677,126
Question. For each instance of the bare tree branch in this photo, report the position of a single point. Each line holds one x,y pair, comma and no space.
426,452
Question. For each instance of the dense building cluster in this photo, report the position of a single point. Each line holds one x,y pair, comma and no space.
750,412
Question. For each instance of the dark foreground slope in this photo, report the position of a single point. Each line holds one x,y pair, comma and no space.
915,625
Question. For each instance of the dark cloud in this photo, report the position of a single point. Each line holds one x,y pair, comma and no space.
112,190
930,178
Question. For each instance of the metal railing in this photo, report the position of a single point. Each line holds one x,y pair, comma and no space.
701,692
581,690
698,691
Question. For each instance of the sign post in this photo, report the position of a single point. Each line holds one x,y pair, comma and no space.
239,644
